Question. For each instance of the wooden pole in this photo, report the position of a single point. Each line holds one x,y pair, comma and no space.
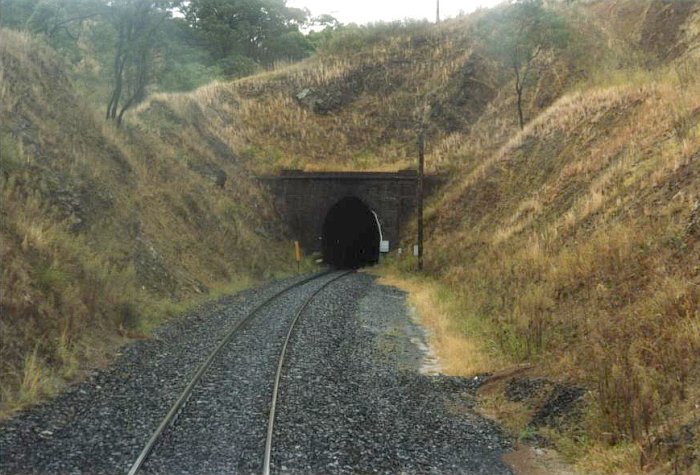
437,15
419,196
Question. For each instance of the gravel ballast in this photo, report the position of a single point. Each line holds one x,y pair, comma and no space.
352,400
222,429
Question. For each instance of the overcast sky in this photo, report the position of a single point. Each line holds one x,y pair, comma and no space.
366,11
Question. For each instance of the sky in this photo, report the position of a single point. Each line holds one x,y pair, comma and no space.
366,11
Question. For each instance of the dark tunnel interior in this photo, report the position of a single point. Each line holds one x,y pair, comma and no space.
350,235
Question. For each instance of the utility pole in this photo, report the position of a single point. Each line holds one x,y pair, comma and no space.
419,195
437,15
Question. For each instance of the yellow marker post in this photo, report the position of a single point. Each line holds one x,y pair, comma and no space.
297,253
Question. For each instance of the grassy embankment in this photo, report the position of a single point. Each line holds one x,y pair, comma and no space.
581,257
363,92
105,232
574,248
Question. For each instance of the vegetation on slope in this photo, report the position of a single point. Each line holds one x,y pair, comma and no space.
122,51
582,246
103,232
577,242
358,103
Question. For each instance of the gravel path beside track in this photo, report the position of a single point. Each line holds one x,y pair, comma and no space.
352,397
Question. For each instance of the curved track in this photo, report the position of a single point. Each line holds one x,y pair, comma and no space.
187,392
278,374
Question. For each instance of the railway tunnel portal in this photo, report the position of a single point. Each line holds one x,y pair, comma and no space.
347,217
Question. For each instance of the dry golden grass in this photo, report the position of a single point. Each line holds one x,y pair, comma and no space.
105,232
459,343
577,241
377,90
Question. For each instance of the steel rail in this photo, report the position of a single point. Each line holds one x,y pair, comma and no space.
182,400
278,376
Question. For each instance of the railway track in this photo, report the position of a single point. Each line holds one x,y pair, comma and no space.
352,398
179,404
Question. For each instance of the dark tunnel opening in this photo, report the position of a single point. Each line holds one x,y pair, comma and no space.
350,235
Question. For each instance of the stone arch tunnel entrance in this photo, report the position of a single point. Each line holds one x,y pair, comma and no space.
315,207
351,234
